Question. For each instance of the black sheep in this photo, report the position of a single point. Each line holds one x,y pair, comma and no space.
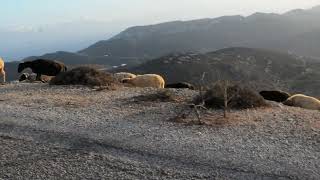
180,85
277,96
43,67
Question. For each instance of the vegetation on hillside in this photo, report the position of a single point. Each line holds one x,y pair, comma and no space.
260,69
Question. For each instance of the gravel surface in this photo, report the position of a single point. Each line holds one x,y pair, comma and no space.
52,132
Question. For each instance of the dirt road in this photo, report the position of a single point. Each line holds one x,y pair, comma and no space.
78,133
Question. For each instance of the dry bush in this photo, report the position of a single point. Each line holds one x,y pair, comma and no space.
222,95
85,76
236,96
159,96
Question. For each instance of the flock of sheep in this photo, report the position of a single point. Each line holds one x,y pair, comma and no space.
52,68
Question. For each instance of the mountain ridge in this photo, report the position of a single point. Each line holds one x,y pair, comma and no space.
259,30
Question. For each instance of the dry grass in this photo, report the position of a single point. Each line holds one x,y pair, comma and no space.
85,76
216,119
159,96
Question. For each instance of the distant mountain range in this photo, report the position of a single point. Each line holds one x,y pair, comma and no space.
296,32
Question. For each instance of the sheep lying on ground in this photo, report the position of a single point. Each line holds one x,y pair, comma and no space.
30,78
43,67
146,80
181,85
277,96
2,72
123,75
303,101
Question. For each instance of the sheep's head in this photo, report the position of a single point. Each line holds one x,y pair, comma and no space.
22,66
288,102
23,77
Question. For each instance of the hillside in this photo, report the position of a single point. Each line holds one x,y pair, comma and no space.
296,31
262,68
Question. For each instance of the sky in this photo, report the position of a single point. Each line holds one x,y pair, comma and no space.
131,12
36,27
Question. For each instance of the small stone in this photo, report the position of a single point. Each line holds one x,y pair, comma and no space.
290,119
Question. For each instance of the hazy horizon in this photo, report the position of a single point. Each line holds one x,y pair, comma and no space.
33,27
38,13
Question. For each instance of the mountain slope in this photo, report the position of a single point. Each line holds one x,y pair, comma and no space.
262,68
260,30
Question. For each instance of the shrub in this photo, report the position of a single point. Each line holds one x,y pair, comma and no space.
84,76
238,97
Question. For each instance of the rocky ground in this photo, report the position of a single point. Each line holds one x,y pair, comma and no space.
52,132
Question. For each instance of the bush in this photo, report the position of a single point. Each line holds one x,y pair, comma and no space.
237,97
84,76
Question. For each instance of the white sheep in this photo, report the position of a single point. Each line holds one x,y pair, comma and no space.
146,80
303,101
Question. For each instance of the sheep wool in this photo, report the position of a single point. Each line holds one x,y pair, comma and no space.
2,72
146,80
303,101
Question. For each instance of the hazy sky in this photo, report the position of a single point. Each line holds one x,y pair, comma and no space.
133,12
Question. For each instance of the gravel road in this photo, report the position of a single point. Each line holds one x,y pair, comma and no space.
57,132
